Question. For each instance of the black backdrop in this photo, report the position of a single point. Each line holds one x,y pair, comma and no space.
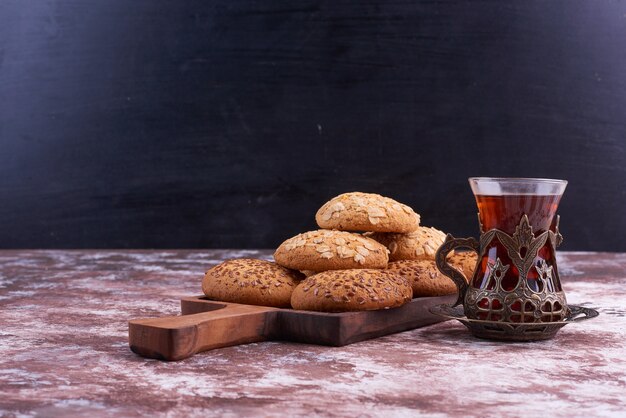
157,123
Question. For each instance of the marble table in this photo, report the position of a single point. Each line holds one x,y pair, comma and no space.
64,351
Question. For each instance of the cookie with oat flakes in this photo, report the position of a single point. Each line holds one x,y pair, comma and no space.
251,281
331,250
351,290
465,262
424,276
421,244
358,211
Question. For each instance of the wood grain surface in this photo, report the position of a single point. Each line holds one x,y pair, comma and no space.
168,124
182,336
206,325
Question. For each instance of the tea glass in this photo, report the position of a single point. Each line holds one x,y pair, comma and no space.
516,279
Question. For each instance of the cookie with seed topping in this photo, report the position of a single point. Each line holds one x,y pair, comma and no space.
251,281
330,250
421,244
358,211
351,290
424,276
465,262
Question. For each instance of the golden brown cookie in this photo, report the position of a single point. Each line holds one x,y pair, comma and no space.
250,281
421,244
331,250
358,211
425,278
465,262
351,290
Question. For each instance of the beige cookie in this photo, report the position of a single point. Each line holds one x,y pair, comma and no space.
331,250
358,211
425,278
351,290
465,262
250,281
421,244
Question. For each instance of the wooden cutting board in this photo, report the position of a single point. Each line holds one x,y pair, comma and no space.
207,324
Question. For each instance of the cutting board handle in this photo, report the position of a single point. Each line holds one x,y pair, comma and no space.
179,337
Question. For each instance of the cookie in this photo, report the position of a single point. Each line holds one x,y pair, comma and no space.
421,244
465,262
358,211
425,278
331,250
250,281
351,290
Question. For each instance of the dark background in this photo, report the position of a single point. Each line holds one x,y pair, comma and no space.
228,123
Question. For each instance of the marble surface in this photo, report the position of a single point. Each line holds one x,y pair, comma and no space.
64,351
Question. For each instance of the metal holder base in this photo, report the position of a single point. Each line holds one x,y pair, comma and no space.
510,331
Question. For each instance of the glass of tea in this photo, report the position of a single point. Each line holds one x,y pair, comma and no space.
516,279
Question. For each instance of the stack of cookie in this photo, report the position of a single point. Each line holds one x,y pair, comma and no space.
371,253
392,240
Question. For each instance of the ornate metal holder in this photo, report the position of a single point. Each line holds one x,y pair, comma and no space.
517,296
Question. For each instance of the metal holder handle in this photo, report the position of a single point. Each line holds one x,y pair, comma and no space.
457,277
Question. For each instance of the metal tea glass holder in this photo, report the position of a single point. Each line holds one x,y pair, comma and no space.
515,293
